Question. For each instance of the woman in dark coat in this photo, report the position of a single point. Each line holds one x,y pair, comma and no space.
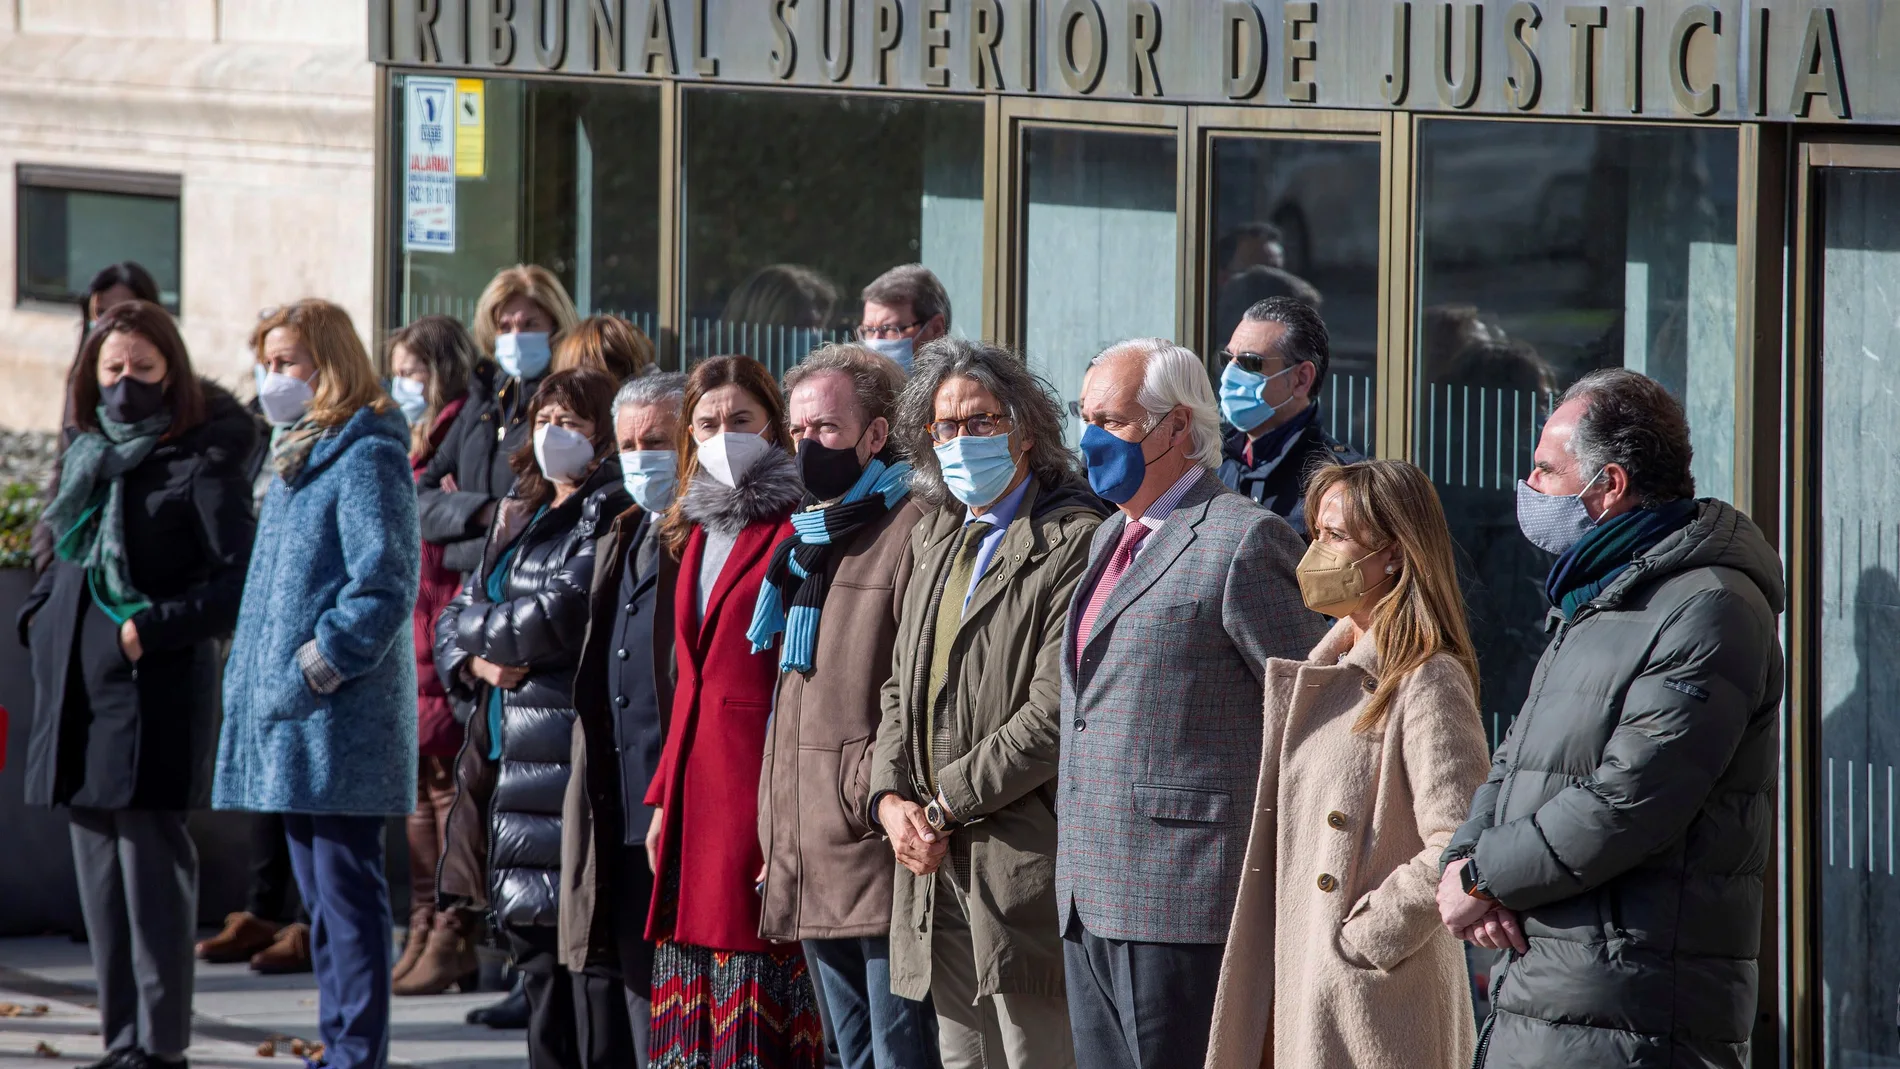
430,361
508,643
721,995
152,526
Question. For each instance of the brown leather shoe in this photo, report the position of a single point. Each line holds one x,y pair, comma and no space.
290,953
244,934
448,960
420,921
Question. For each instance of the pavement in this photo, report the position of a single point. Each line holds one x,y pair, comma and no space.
234,1012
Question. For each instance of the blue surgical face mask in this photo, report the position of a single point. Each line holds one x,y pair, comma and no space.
1116,465
976,470
1243,396
1554,522
902,350
410,396
523,355
651,476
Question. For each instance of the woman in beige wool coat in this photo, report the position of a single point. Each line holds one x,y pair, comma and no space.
1373,748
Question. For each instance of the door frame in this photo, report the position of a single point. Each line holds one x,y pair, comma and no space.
1803,1045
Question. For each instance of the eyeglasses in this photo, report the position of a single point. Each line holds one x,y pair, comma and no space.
981,425
887,332
1252,362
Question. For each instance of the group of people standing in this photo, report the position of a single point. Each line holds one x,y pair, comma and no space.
861,706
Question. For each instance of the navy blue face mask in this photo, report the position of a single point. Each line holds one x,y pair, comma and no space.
1116,465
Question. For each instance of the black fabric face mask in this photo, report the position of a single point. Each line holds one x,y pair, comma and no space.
130,400
828,472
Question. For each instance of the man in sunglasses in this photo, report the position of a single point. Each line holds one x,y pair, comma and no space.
1273,368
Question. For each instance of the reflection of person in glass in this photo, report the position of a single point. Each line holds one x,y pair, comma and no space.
1619,845
904,308
783,295
1276,361
1250,266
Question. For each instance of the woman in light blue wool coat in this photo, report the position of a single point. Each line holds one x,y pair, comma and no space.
320,688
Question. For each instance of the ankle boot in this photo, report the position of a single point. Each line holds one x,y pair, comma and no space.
420,921
447,960
244,934
289,954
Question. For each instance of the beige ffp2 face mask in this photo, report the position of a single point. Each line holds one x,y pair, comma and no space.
1330,584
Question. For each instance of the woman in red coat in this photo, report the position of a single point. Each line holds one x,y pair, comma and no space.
430,361
721,995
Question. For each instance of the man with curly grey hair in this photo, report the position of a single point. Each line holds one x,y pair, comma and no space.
1188,593
963,783
1620,844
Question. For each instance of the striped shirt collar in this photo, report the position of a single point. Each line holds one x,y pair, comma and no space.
1157,513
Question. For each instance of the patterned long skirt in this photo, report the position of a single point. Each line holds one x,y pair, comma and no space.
717,1009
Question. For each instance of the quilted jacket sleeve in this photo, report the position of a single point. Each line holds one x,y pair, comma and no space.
1683,717
539,629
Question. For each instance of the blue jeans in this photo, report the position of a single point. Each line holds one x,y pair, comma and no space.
339,867
874,1028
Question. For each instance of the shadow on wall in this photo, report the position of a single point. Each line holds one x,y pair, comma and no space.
37,889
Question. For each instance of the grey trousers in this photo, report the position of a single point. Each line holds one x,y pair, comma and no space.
998,1031
138,890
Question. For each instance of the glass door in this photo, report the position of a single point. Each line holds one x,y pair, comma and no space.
1095,205
1846,490
1300,216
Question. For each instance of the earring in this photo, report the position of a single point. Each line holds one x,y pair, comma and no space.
1391,568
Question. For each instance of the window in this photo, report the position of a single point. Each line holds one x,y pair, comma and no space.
558,174
794,202
73,222
1547,251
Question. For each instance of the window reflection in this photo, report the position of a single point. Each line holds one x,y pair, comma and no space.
1099,252
1547,251
1300,218
570,182
1860,613
795,202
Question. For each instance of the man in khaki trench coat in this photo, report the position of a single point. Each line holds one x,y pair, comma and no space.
963,782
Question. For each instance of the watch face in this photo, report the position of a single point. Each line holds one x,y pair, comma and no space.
933,813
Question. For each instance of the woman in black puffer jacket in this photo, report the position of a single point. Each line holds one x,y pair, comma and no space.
508,643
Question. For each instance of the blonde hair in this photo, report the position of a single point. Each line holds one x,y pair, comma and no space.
532,281
346,381
1387,503
606,343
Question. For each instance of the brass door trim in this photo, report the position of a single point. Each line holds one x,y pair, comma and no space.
1398,290
381,314
672,250
1288,122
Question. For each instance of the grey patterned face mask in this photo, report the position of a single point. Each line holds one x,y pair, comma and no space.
1552,522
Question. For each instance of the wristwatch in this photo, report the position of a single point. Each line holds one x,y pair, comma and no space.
936,816
1474,883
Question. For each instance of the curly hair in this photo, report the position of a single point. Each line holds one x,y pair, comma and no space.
1026,396
1632,421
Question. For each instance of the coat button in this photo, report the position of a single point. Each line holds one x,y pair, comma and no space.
621,653
1336,820
620,700
1081,724
1327,883
1369,684
633,608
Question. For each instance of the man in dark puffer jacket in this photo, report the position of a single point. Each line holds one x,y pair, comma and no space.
1618,847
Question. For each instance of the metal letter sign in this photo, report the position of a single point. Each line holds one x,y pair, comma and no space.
429,143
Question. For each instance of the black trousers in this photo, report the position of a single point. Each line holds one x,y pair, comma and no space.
576,1020
1138,1005
272,892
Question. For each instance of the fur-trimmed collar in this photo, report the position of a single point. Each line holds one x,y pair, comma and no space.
768,488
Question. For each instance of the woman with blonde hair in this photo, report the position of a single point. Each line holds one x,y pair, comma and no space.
606,343
1372,750
320,685
520,318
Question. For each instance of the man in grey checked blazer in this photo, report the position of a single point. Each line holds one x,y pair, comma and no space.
1162,675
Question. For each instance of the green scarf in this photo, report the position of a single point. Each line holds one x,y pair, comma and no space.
88,512
1606,551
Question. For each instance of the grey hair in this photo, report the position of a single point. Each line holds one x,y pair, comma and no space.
652,388
1306,339
1027,397
1631,421
915,285
1171,377
876,379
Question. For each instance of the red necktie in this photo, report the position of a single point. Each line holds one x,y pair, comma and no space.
1132,534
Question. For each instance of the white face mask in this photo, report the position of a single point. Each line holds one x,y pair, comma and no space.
727,457
564,455
283,399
